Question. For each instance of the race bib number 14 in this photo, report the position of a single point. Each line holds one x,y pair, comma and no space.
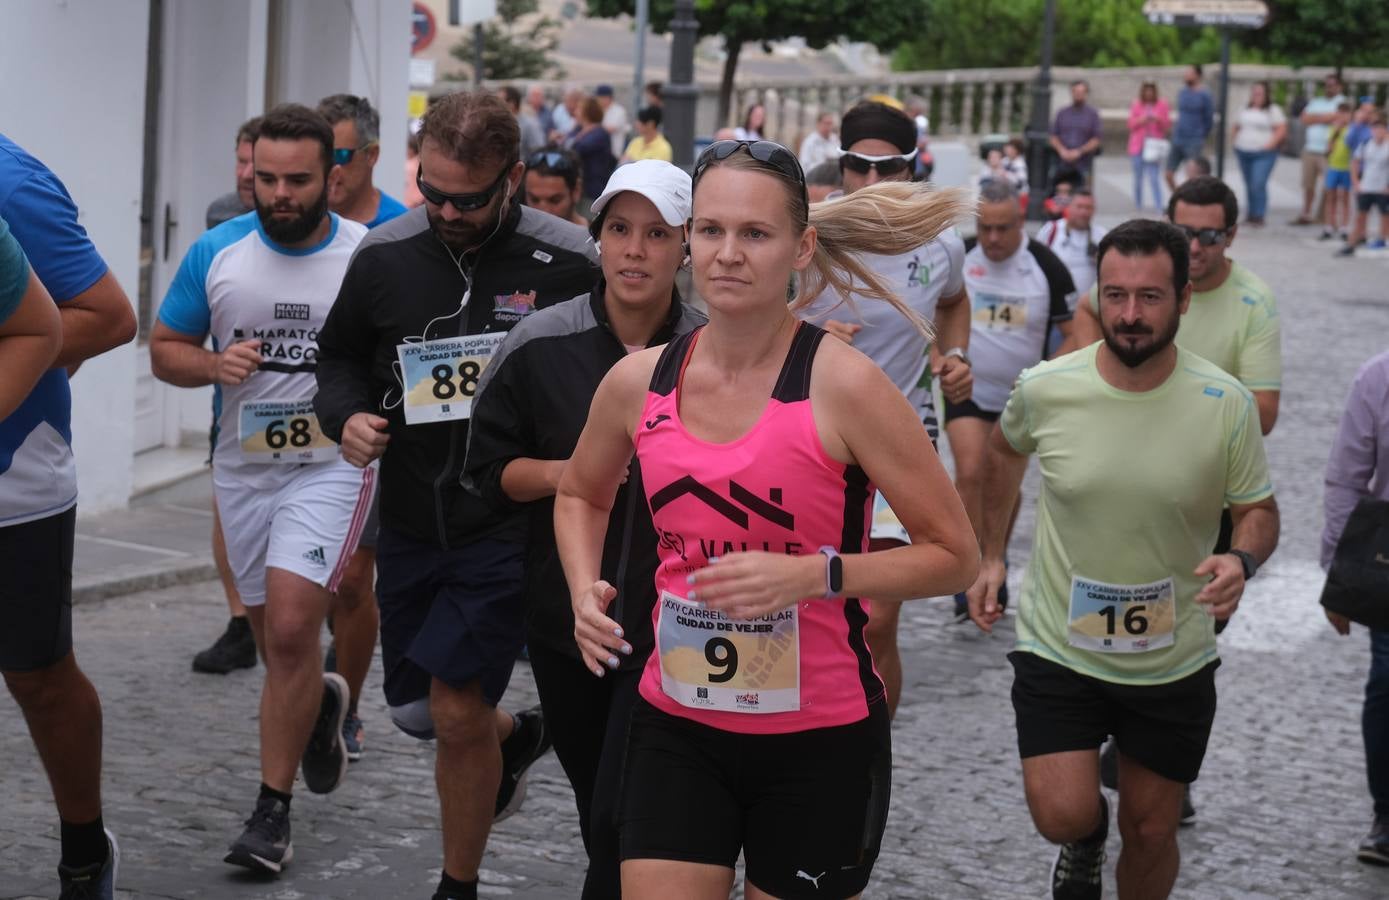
283,431
709,661
1122,618
441,376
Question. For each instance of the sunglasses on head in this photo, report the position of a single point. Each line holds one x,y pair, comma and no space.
887,166
343,155
550,159
460,202
1207,237
769,153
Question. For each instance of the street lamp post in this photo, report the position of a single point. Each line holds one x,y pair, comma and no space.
681,94
1038,126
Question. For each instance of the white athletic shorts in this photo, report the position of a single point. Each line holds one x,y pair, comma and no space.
886,525
310,525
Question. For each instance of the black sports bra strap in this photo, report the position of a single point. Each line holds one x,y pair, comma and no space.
666,375
793,384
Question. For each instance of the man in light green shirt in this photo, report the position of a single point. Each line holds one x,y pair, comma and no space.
1140,445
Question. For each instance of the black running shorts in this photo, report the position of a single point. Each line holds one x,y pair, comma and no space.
968,409
1163,727
36,593
807,809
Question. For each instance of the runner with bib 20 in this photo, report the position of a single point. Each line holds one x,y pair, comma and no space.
1140,443
762,726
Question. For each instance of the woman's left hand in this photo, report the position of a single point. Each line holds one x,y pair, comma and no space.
755,583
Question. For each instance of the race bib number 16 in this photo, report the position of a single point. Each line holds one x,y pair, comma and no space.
441,376
1122,618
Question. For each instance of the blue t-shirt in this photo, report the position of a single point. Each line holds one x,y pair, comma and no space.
37,475
1357,134
387,209
1195,115
14,273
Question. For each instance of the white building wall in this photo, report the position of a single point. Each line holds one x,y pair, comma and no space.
74,75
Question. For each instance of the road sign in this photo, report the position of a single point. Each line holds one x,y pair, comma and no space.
1221,13
423,28
471,12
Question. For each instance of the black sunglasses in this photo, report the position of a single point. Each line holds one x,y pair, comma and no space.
887,166
550,159
1207,237
769,153
461,202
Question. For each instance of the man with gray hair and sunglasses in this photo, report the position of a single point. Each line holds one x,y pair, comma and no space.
356,148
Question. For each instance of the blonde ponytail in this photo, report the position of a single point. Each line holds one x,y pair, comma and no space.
888,218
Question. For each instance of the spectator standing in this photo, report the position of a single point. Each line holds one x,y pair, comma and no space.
1015,164
565,116
754,120
1075,239
1150,120
649,142
615,121
1359,131
1195,119
1337,202
1075,133
412,196
532,135
1359,467
821,145
243,199
1317,116
1370,182
653,94
536,105
1258,131
591,144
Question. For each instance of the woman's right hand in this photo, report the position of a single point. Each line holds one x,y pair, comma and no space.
600,639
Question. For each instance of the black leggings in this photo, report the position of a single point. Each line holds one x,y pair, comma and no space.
587,717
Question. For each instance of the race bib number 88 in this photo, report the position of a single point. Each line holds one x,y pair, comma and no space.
1121,618
709,661
441,376
282,431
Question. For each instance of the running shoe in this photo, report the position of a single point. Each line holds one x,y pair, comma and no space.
1079,868
235,649
1188,811
94,882
1376,244
961,615
528,742
265,845
325,758
1374,849
353,736
1347,250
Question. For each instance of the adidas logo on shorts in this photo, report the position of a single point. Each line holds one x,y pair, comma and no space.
316,556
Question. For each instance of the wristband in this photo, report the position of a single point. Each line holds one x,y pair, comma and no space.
834,572
958,353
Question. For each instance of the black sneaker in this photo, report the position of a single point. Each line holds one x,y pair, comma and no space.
1188,811
1374,849
354,737
1079,867
961,615
265,845
527,744
94,882
235,649
1109,765
325,758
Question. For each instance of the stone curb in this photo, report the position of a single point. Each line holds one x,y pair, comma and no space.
133,580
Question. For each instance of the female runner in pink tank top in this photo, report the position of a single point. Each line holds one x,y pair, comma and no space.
762,727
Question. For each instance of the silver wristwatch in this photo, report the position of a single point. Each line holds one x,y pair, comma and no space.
960,354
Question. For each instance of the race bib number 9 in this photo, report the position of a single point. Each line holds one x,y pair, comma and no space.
1122,618
283,431
441,376
999,313
709,661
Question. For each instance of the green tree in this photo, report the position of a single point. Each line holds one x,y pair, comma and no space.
819,22
997,33
512,48
1323,32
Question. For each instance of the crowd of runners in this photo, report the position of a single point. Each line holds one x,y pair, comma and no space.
477,431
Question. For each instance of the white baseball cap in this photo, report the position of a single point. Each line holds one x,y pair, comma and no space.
668,187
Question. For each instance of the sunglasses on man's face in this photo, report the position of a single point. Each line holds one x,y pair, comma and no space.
460,202
769,153
887,166
343,155
1206,237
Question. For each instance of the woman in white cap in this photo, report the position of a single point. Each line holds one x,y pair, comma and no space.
527,416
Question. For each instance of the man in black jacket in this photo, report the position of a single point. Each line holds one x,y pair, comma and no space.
422,308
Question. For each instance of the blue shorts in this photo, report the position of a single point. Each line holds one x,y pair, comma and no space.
1338,179
455,615
1181,151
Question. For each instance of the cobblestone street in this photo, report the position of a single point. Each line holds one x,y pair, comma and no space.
1281,802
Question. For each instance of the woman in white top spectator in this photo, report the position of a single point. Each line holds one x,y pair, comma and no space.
1259,130
753,123
821,145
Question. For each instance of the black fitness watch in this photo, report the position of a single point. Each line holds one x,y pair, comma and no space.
1247,561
